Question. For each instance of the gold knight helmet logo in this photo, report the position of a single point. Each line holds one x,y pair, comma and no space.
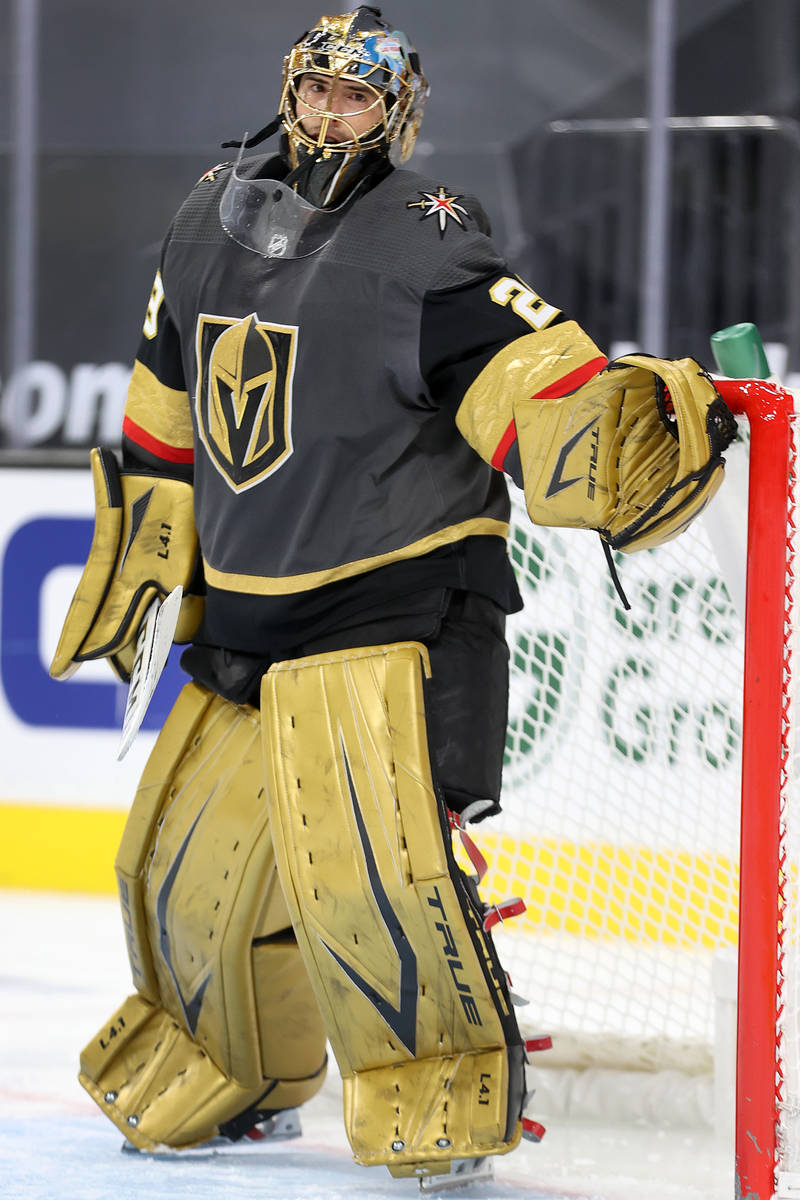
244,392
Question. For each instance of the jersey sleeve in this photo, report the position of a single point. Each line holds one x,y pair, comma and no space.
157,426
488,340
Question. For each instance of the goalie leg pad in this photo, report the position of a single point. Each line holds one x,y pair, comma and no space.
413,997
162,1090
224,998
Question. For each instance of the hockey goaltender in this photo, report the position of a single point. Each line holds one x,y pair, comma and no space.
337,369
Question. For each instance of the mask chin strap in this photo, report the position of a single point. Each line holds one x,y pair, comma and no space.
300,176
257,138
375,165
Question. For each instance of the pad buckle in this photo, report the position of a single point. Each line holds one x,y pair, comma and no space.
470,849
532,1131
504,911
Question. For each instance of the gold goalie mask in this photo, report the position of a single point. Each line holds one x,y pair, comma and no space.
352,99
381,103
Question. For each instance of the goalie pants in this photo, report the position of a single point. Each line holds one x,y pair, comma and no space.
466,699
225,1020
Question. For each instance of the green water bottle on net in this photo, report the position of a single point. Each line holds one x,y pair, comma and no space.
739,352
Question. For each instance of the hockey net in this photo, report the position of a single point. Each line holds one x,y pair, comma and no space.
623,789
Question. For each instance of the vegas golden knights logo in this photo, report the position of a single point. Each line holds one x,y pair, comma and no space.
245,370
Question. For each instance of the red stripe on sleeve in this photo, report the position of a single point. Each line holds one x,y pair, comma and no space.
568,383
561,387
141,437
503,446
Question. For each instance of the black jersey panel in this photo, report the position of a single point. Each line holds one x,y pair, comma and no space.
462,329
278,624
161,352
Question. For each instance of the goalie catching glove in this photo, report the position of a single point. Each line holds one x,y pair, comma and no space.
631,448
144,545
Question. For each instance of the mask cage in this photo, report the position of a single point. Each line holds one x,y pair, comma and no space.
381,61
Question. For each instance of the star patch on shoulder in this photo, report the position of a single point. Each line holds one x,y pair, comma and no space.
211,175
442,206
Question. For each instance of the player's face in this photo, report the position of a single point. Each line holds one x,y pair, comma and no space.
349,109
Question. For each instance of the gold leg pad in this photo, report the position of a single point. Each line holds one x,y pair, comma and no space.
202,902
428,1112
412,994
226,1015
161,1089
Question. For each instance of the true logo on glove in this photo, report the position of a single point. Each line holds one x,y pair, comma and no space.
557,482
590,487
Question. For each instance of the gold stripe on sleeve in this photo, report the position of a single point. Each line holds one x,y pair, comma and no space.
162,411
517,372
264,585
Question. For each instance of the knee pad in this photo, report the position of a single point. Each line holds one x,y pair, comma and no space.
225,1016
412,993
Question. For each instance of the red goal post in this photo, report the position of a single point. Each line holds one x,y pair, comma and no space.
761,1138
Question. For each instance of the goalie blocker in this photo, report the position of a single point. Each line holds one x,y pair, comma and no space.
412,994
144,545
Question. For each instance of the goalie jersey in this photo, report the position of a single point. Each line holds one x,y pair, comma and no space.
313,401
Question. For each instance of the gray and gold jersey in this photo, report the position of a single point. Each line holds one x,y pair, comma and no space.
316,397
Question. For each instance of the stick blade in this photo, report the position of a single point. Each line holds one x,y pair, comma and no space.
152,650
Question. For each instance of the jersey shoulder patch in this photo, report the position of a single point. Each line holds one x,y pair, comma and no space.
442,208
210,176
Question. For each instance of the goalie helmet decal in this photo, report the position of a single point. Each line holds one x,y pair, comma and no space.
244,396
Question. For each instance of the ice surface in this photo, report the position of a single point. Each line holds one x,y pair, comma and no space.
63,972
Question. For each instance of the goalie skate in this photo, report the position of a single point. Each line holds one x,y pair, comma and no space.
278,1127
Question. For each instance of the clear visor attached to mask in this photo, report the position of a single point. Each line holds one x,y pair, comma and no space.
271,219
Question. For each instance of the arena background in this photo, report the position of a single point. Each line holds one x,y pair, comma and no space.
109,113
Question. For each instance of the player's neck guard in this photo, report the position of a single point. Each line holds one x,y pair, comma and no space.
293,217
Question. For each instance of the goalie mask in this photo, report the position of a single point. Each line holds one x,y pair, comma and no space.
351,103
352,84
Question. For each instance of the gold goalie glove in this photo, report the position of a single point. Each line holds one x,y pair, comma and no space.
631,448
144,545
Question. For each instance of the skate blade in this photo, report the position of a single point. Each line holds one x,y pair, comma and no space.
463,1171
281,1128
205,1150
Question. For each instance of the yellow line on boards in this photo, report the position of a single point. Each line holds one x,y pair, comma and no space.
598,890
60,849
593,890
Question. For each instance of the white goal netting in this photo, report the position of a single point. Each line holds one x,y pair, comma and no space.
621,800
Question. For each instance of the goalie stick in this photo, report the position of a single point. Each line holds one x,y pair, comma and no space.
152,650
